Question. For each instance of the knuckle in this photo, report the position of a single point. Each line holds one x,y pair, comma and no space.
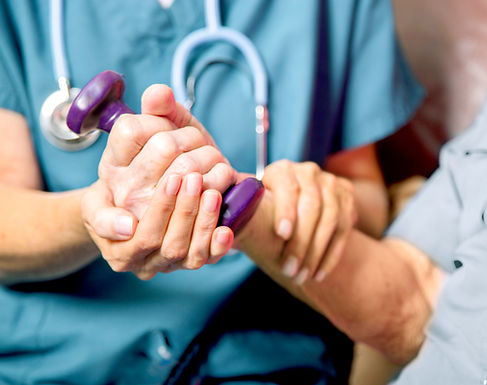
188,211
166,206
184,164
144,275
279,168
279,165
164,145
328,180
195,261
147,243
120,266
285,164
125,128
206,225
310,169
123,197
173,253
220,177
225,171
194,133
311,200
213,153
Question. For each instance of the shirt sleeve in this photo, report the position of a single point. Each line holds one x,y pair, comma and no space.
378,91
12,87
430,221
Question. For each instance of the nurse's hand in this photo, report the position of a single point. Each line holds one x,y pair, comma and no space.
177,230
314,213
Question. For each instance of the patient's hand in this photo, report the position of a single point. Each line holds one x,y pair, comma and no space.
314,212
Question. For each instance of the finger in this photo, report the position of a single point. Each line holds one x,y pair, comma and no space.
220,177
114,223
96,209
338,242
200,160
175,244
152,226
221,242
280,178
204,226
309,211
160,151
129,135
104,220
158,99
325,230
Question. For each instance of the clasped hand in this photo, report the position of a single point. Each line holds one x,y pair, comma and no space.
155,206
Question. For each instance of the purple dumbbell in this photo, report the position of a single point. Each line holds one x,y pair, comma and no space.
98,106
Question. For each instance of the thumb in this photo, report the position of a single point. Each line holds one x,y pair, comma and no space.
104,220
158,99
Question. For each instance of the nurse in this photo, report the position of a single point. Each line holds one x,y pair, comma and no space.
63,304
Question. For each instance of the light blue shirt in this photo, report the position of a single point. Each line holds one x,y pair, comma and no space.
448,221
89,327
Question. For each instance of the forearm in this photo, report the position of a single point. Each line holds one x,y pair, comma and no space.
362,168
42,235
372,206
381,293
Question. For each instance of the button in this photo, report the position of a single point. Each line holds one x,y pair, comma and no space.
458,264
159,348
164,353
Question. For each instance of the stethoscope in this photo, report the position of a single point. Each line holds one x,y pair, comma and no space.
54,110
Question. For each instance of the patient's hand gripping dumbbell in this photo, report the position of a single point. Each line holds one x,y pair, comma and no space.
98,106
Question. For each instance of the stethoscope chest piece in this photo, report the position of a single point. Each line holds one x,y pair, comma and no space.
53,122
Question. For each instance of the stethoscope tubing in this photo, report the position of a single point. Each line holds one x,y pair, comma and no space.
215,32
212,32
59,58
224,34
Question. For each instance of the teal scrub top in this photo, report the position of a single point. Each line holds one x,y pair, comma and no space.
447,220
88,328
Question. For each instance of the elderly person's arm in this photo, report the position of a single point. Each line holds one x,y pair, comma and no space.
379,292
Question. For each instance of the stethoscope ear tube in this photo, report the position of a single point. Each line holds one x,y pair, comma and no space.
215,32
99,104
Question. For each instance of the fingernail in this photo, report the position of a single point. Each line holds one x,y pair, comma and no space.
210,201
123,225
193,184
173,184
302,276
320,276
223,237
285,229
290,268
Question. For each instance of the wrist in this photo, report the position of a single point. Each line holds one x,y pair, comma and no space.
258,239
